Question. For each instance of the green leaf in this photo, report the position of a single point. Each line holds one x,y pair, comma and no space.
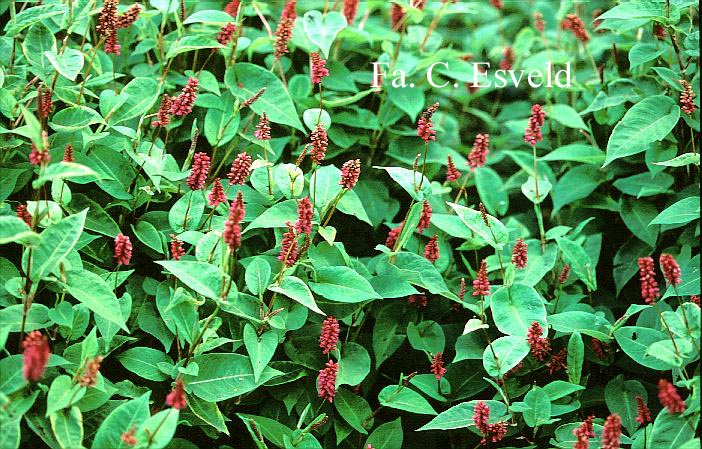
159,429
648,121
296,289
186,213
224,376
409,101
576,354
644,52
515,308
144,362
192,43
388,331
620,396
578,259
508,352
245,80
529,189
57,241
208,412
354,365
204,278
538,412
690,277
417,185
258,275
212,16
672,431
637,215
65,170
13,229
354,409
474,221
68,64
260,348
683,211
491,190
38,40
63,392
461,415
405,399
322,29
635,341
68,427
33,15
342,284
75,118
576,184
682,160
426,336
588,323
565,115
90,289
576,152
314,115
37,318
386,436
141,93
275,216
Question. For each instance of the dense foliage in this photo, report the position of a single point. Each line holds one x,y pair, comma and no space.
218,231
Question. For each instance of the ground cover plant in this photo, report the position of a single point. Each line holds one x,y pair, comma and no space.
222,226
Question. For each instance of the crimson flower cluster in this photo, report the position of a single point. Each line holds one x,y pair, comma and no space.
329,335
199,171
491,433
532,134
540,346
123,249
35,356
319,68
326,382
481,284
575,25
177,398
425,126
478,154
240,169
520,254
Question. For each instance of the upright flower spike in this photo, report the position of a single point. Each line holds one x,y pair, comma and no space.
659,32
177,250
508,58
419,301
305,214
129,437
319,68
564,275
284,31
241,167
695,299
232,7
539,23
393,235
478,154
326,382
669,397
437,366
687,98
183,104
254,98
44,102
350,172
452,173
484,214
532,134
424,217
540,346
163,116
39,157
107,26
520,254
583,433
643,414
462,289
68,155
232,229
23,214
350,10
431,250
425,126
123,249
612,432
319,142
288,248
177,398
481,416
329,335
397,14
647,278
263,128
558,362
575,25
670,269
89,374
497,4
481,284
199,171
130,16
226,34
36,353
216,195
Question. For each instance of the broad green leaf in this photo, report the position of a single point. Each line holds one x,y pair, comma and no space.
575,357
576,152
90,289
620,396
258,275
682,160
276,216
671,431
648,121
644,52
204,278
539,407
75,118
690,279
354,409
578,259
13,229
386,436
296,289
260,348
389,331
426,336
68,64
57,241
38,40
681,212
405,399
637,215
565,115
65,170
414,183
635,341
144,362
515,308
208,412
322,29
192,43
474,221
461,415
37,318
588,323
578,183
186,213
33,15
68,427
63,393
354,365
491,190
504,354
209,16
141,93
342,284
159,429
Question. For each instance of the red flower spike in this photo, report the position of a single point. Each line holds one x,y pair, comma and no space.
329,335
163,116
232,7
284,31
600,349
216,195
425,217
326,383
481,284
425,127
303,225
254,98
540,346
393,235
24,214
539,23
478,154
532,134
647,277
129,437
130,16
319,141
397,13
695,299
263,128
643,413
431,250
481,416
123,249
558,362
107,26
520,254
44,103
241,167
437,366
498,4
612,432
575,25
237,210
462,289
226,34
350,10
669,397
199,171
183,104
508,58
670,269
583,433
452,173
177,250
659,32
564,275
39,157
319,68
68,155
288,248
176,398
419,301
350,172
36,353
89,375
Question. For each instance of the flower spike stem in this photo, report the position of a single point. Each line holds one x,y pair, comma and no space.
537,203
